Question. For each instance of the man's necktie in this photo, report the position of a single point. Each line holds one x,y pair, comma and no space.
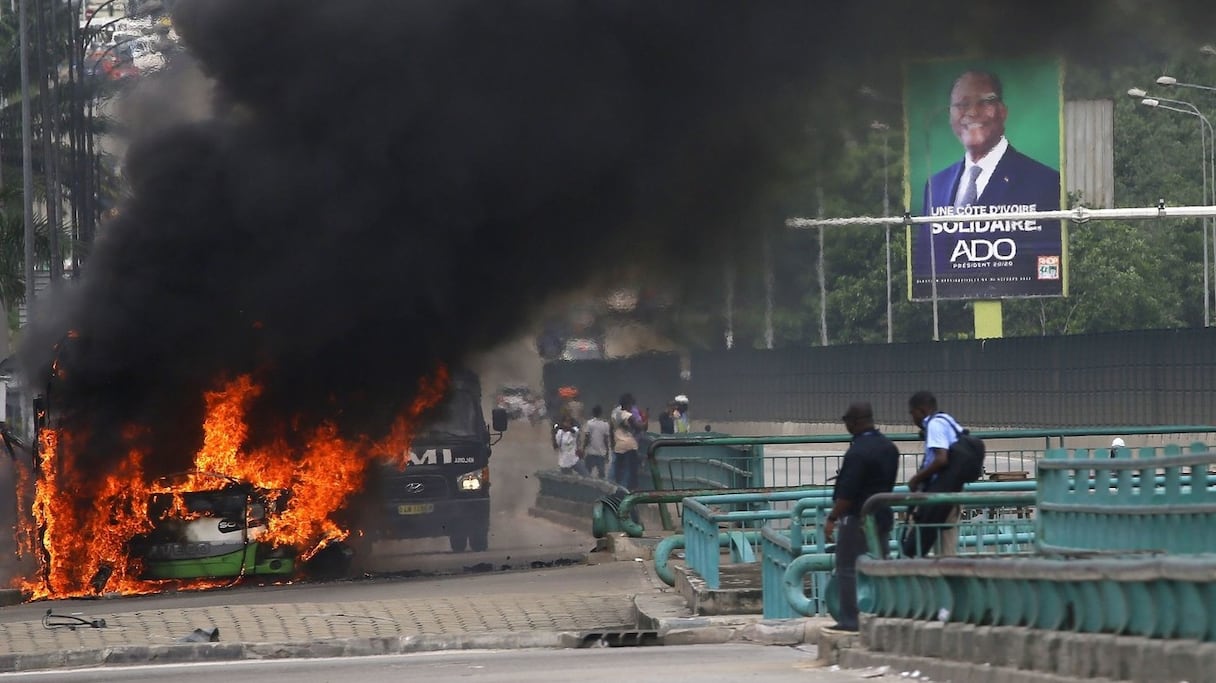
971,193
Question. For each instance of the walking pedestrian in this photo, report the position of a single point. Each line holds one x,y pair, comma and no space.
597,444
667,424
565,442
680,415
940,431
870,466
626,425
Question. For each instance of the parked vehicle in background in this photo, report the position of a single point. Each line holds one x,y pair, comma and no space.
582,349
145,56
521,402
123,71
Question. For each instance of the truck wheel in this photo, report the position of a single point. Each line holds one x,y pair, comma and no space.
457,540
479,539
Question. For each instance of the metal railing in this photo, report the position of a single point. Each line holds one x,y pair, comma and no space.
1105,528
775,471
1144,500
797,578
1142,595
705,515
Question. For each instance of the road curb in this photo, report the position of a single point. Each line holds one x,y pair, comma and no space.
668,615
185,653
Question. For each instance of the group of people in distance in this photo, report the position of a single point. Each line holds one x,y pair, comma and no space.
611,449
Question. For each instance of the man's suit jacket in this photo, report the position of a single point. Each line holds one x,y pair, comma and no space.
1017,179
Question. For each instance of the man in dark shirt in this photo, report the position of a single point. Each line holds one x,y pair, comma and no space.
870,466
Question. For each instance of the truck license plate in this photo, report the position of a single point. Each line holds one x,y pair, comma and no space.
415,509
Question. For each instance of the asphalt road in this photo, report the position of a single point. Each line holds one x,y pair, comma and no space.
671,664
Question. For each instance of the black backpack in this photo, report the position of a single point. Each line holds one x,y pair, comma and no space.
965,457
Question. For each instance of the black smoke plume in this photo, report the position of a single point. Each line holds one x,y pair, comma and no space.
389,184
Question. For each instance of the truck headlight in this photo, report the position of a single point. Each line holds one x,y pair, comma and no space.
474,481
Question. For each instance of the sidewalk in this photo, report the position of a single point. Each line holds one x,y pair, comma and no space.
548,608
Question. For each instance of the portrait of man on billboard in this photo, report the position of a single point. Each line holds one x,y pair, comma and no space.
984,139
992,171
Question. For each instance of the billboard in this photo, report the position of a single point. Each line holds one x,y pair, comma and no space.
984,136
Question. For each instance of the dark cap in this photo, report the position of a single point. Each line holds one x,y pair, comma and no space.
860,410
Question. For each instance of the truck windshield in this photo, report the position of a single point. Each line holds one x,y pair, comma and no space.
460,415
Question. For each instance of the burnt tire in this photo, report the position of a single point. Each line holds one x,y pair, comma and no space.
458,541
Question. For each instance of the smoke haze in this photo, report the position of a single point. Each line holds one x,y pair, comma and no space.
388,184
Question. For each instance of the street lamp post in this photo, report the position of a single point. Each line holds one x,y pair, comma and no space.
1170,81
27,160
84,180
872,94
1207,141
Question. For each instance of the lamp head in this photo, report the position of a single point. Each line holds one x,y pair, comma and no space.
1166,80
1149,102
1136,92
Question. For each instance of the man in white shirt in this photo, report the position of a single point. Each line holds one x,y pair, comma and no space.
941,430
598,443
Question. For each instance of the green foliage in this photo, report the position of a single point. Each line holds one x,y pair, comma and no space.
12,246
1123,275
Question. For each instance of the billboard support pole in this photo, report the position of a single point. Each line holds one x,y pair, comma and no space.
989,323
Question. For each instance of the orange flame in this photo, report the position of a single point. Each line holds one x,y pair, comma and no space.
82,528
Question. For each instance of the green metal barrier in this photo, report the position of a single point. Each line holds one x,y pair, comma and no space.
1047,434
601,525
1149,502
965,499
1111,515
789,570
706,465
1145,595
663,551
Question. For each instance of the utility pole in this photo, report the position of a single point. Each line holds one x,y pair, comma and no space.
45,66
27,187
54,194
27,160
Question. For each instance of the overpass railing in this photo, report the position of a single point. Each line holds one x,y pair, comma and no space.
707,517
761,470
1125,548
1140,500
796,578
